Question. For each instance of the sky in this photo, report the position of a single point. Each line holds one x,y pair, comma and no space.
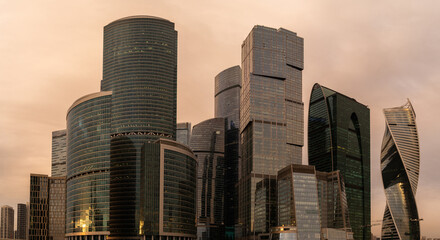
378,52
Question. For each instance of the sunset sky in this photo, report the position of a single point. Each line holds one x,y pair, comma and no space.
378,52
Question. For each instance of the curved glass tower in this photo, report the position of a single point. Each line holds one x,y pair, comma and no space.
339,139
140,68
208,144
400,162
227,96
88,165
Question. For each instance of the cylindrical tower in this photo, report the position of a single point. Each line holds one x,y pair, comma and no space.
88,165
140,68
400,163
227,96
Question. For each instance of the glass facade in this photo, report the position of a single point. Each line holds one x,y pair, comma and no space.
227,105
271,113
168,191
208,144
298,200
227,96
88,165
400,164
39,207
140,68
57,208
59,153
339,139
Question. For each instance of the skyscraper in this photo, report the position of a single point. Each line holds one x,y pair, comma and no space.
22,221
59,153
339,139
39,207
7,222
107,131
88,166
400,163
47,206
140,68
168,191
208,144
227,106
271,112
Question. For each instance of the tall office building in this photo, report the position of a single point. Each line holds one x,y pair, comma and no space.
271,113
313,203
168,191
140,68
107,130
208,143
88,167
339,139
22,217
400,163
7,222
59,153
227,105
39,207
183,133
47,207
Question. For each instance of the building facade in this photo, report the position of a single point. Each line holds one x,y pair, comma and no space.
39,207
88,166
168,191
7,222
271,113
227,96
59,153
400,164
140,68
227,105
339,139
208,144
183,133
47,207
22,216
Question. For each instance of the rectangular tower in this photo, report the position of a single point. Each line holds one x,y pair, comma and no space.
7,222
183,133
21,221
59,153
271,113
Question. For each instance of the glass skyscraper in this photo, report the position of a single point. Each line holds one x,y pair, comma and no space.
107,131
88,166
183,133
227,106
59,153
208,144
22,221
400,163
168,191
271,113
339,139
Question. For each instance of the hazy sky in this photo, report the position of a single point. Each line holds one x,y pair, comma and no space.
378,52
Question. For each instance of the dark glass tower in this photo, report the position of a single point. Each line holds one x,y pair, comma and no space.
208,143
140,68
271,115
400,164
339,139
227,106
88,166
22,216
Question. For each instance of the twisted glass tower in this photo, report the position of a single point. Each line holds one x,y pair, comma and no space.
400,161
